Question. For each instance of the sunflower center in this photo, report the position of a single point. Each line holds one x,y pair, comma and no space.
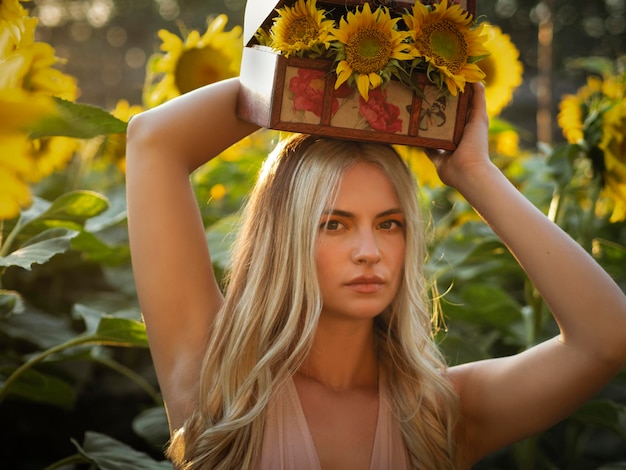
199,67
368,50
302,29
445,44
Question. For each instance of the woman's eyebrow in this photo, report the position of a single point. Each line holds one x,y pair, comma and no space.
347,214
394,211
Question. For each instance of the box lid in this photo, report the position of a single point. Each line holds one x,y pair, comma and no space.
259,13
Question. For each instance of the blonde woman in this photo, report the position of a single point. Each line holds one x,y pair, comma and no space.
318,355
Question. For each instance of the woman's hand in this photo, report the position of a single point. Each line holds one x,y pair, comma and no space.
472,154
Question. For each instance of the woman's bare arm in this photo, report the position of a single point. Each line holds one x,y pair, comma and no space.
507,399
178,293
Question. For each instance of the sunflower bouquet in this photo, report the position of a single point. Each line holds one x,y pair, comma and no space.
370,46
394,67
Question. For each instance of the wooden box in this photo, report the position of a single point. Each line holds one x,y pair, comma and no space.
298,94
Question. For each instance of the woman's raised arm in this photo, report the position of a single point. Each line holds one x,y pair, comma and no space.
178,293
507,399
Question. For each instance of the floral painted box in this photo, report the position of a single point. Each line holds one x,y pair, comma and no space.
348,69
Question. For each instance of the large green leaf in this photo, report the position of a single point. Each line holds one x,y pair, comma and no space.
484,305
96,250
122,332
40,249
152,425
70,210
110,454
42,329
604,413
37,386
81,121
112,330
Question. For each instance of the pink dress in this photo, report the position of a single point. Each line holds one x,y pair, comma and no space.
288,443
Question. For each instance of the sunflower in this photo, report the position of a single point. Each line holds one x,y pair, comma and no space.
424,170
14,24
574,118
27,84
302,30
594,119
23,108
502,68
15,175
193,61
114,145
11,10
445,39
613,146
368,48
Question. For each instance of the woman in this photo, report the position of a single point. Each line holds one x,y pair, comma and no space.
320,355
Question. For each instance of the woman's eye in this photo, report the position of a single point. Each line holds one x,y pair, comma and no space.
331,225
390,224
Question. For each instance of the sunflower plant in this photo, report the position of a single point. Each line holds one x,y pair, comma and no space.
39,120
370,46
191,60
593,121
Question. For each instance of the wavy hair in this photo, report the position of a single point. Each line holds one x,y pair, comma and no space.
266,325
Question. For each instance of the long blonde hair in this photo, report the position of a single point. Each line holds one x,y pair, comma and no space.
265,328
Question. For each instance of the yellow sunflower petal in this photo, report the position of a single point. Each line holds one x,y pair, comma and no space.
503,69
14,196
363,85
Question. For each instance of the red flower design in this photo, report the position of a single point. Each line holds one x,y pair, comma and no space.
380,114
308,90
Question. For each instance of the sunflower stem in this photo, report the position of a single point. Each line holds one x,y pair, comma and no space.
587,226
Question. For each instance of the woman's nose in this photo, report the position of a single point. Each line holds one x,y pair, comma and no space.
366,249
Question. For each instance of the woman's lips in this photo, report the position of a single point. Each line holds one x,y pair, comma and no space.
366,284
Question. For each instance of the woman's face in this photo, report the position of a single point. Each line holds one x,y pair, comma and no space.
360,247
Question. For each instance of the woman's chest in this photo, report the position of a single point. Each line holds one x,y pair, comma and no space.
342,425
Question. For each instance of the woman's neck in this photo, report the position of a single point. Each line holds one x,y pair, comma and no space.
343,355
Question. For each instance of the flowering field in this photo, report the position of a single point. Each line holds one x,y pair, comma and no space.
76,381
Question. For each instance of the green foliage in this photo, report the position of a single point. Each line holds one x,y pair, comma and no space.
78,120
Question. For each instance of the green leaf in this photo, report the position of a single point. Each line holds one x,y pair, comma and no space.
11,302
152,426
483,304
611,255
598,65
122,331
114,331
561,162
115,213
98,251
110,454
40,249
604,413
81,121
220,237
70,210
43,388
39,328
